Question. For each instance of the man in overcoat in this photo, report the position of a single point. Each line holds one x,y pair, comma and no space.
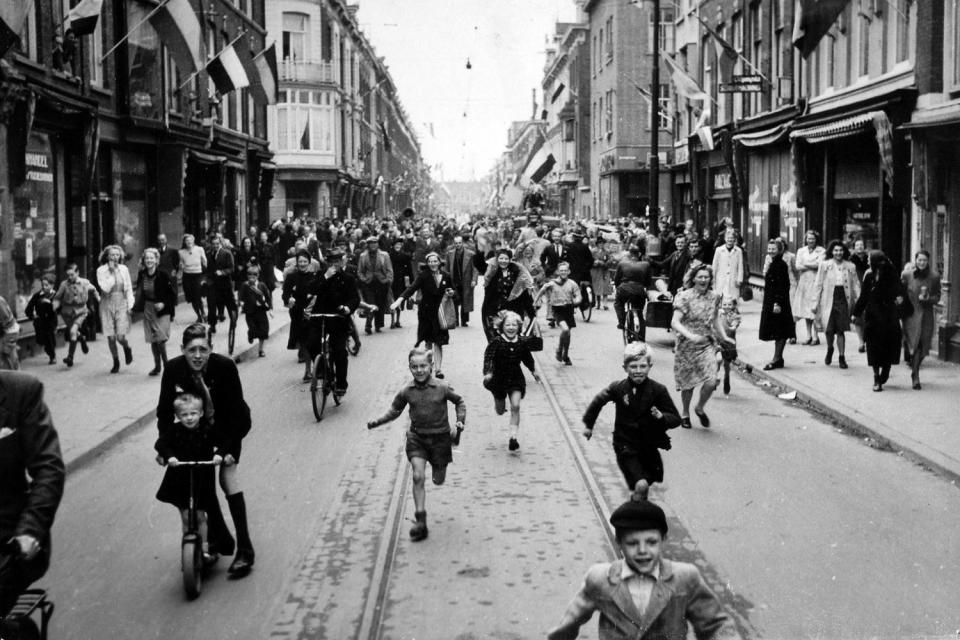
375,273
461,269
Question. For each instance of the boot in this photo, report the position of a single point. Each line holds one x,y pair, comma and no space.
116,365
156,360
419,531
127,354
72,349
243,562
83,343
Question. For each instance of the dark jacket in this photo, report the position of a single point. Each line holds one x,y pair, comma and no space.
330,294
550,258
581,261
776,290
28,445
163,291
169,260
633,425
231,421
881,322
40,310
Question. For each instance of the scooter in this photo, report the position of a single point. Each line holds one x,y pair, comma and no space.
21,622
192,562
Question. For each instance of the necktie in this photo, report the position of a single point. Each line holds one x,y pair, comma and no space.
207,400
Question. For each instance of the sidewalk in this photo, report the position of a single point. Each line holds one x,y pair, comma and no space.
93,409
917,424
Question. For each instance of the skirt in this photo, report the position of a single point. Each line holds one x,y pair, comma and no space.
258,325
114,315
193,287
155,328
839,321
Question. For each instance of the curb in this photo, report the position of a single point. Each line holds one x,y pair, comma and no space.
875,438
90,455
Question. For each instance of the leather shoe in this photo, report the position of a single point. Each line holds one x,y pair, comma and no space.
685,422
776,364
242,563
829,357
704,420
842,362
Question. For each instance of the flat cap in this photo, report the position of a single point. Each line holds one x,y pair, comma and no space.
639,515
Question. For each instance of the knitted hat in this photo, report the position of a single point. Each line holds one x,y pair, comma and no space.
639,515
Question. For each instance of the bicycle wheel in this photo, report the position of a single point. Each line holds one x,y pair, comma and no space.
630,327
191,565
318,392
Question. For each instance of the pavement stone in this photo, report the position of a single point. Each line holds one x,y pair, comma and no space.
920,425
93,409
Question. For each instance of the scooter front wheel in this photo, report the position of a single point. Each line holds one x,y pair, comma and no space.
191,564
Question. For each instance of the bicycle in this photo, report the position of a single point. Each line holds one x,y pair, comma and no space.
323,382
19,623
634,330
587,300
192,563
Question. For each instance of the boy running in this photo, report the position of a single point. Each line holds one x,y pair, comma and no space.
40,310
563,296
71,300
430,437
645,411
256,301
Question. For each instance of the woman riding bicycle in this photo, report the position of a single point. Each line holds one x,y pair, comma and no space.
333,291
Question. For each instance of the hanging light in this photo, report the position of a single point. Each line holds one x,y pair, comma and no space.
469,66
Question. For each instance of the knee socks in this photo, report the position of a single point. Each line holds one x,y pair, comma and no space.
238,511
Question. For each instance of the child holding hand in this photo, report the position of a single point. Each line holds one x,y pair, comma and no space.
430,438
502,375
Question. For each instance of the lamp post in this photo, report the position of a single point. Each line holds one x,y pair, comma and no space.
654,190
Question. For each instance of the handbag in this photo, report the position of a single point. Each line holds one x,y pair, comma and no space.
746,292
447,313
532,337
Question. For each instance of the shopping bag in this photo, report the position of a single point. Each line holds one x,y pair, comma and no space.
447,313
531,336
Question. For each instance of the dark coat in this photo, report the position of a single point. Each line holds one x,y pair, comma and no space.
581,261
28,445
188,445
231,421
163,291
40,310
467,276
296,287
776,290
402,271
431,295
877,307
169,260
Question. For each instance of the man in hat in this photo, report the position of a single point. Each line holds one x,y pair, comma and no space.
644,595
333,291
645,411
375,272
461,268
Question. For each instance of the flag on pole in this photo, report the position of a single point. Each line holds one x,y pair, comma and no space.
703,130
648,98
83,18
261,70
812,20
686,86
227,72
13,15
387,144
727,55
178,28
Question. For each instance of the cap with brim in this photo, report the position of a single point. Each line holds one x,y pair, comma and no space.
335,254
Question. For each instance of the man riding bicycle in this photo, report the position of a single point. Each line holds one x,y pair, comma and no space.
631,280
31,484
333,291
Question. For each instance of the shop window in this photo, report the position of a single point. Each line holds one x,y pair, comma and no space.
144,68
130,183
34,216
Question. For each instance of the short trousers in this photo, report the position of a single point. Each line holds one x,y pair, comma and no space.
564,313
435,448
635,465
73,316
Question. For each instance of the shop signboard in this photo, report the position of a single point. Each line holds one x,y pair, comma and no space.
743,84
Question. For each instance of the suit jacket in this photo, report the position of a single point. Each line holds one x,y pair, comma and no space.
466,276
231,421
550,258
581,261
678,597
28,444
380,270
169,260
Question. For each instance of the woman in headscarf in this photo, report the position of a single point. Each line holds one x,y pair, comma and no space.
877,306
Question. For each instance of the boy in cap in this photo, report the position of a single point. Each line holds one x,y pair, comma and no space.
645,411
644,595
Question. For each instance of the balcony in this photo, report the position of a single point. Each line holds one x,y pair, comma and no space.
292,70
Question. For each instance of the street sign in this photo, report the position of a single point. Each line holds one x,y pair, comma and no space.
743,84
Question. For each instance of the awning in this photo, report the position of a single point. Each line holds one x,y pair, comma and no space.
268,166
233,164
206,158
763,138
853,125
841,128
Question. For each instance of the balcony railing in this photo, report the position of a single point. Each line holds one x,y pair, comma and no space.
292,70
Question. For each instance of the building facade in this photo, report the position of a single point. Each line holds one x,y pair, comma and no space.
343,142
119,150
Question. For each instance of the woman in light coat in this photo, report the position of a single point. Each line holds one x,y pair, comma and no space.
922,285
837,288
728,267
804,300
116,303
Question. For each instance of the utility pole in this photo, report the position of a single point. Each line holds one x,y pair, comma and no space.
654,218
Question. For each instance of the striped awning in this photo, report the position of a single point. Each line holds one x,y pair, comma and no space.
762,138
841,128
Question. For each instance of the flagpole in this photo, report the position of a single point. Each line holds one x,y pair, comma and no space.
740,56
130,31
192,75
653,220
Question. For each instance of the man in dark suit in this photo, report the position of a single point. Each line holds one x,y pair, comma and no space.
333,291
554,254
169,261
220,266
460,266
580,259
214,378
31,482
